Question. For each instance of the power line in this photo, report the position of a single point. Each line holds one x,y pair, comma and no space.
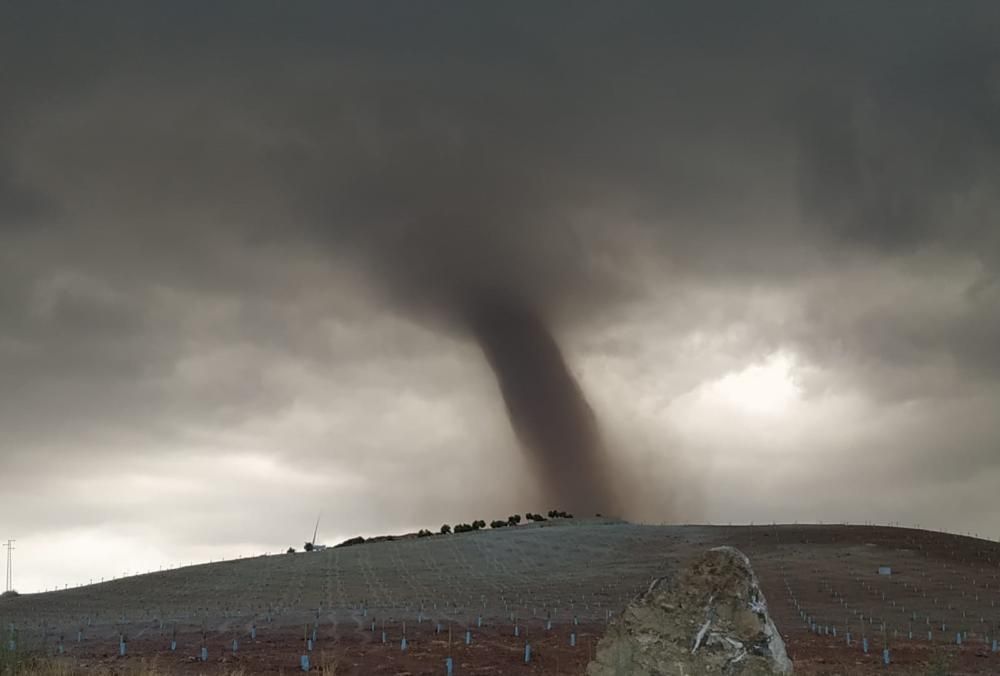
10,563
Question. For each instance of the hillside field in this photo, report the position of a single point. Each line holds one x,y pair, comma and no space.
553,585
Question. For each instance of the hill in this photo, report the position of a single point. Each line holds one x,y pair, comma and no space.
538,583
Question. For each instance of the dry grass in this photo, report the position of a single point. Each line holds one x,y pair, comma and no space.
328,663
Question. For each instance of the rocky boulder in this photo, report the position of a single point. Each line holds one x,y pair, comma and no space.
711,618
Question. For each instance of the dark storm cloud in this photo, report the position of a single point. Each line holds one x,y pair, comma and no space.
910,154
177,182
551,131
19,206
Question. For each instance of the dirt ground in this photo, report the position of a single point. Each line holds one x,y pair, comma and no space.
493,650
822,582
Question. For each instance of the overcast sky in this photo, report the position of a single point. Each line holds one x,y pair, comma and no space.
233,245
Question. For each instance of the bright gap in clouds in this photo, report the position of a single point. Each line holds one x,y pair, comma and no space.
766,389
753,411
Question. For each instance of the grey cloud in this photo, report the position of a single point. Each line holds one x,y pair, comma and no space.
441,173
287,193
17,206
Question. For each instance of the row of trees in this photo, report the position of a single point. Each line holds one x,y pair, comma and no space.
478,524
512,520
464,527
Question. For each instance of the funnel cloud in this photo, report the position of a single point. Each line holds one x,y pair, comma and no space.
547,408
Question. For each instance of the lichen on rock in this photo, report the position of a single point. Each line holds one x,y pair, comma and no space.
711,618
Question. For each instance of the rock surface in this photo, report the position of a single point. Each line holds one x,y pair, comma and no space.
711,618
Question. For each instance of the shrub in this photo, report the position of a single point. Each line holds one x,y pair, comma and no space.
497,523
445,529
478,523
291,550
462,528
941,665
14,662
308,546
423,532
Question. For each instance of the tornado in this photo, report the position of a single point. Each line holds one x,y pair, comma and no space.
547,409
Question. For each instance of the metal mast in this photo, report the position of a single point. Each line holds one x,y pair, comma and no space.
10,563
316,530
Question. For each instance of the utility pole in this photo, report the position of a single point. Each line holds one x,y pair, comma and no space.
10,562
